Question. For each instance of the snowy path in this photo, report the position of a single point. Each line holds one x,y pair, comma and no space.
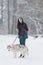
35,51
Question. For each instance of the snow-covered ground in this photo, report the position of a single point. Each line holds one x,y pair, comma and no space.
35,47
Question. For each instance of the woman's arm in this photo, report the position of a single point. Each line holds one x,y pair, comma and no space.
26,27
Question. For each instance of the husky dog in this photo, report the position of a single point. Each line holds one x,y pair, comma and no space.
18,49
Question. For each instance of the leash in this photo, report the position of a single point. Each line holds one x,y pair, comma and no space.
15,39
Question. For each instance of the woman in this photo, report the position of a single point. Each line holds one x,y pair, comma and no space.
22,30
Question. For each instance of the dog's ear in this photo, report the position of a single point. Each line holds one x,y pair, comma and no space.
8,46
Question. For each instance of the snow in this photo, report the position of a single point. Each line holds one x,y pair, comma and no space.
35,47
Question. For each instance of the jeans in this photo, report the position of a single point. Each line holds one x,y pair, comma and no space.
22,40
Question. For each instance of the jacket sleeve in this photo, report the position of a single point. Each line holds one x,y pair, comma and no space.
26,27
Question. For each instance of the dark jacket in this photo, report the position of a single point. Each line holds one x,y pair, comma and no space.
22,29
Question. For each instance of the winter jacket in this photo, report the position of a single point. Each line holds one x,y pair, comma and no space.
22,30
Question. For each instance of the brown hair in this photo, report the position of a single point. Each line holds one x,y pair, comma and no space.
20,18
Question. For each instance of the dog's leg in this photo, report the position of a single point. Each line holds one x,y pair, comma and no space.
20,55
15,55
23,56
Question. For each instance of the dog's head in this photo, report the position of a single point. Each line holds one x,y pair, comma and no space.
9,47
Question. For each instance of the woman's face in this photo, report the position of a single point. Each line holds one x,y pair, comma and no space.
20,20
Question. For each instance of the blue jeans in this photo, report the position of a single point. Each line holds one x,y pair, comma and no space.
22,40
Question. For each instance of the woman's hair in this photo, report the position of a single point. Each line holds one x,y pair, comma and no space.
18,24
20,18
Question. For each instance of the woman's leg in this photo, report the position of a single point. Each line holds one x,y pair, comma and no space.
22,40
